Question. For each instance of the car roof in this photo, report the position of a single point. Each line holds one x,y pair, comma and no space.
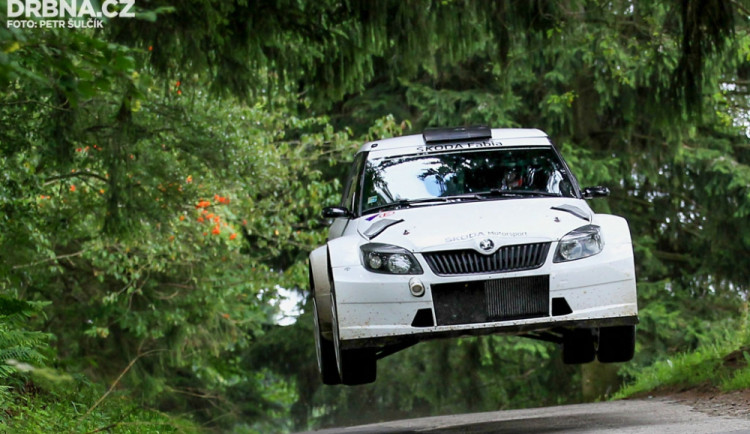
501,137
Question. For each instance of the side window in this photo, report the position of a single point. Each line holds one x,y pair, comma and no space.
349,197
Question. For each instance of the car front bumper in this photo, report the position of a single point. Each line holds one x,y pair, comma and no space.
375,310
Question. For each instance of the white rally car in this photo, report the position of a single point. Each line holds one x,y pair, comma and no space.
468,231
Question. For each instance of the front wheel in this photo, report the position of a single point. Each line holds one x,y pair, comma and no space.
358,367
329,373
355,366
578,346
616,344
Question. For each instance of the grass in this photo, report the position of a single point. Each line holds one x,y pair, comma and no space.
72,408
723,365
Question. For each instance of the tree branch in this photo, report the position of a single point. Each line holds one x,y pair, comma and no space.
56,258
740,7
52,179
670,256
117,380
62,108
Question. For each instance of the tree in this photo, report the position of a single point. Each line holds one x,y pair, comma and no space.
117,143
150,215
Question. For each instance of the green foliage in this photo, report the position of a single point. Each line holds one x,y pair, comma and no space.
66,408
162,179
682,371
23,354
20,348
740,379
157,221
720,360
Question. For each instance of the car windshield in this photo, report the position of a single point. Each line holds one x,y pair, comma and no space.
484,174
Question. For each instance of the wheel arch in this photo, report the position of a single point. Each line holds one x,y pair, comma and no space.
320,287
615,228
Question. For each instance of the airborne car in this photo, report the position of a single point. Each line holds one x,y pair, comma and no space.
468,231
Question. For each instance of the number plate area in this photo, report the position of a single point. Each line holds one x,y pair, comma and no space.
491,300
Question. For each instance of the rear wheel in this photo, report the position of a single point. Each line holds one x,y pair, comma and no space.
616,344
578,346
355,366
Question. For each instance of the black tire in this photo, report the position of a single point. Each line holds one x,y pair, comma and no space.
326,354
358,367
355,366
616,344
578,347
324,351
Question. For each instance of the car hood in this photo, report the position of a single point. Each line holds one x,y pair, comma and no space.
463,225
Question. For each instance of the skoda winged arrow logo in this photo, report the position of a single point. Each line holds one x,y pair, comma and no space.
486,245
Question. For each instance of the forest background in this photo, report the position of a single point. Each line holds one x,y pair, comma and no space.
161,182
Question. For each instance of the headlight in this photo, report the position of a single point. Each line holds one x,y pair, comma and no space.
581,243
388,259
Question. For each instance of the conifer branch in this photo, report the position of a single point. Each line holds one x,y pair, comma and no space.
117,380
52,179
56,258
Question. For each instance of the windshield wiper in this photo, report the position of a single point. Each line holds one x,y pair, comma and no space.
482,195
517,193
405,203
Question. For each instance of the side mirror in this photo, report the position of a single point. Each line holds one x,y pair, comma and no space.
334,212
592,192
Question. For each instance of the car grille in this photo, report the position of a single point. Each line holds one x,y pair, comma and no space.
507,258
491,300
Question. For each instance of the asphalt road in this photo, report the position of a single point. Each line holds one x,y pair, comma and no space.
632,417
